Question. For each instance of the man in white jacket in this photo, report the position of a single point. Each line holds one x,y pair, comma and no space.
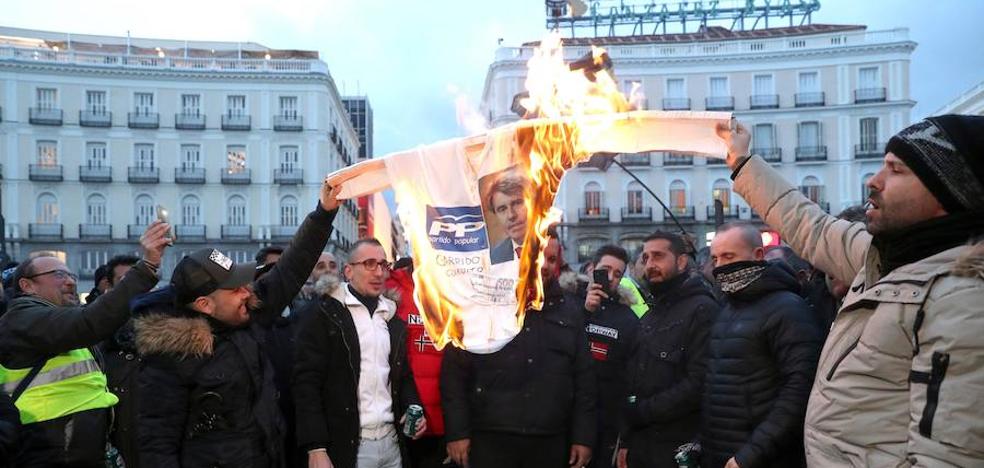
900,380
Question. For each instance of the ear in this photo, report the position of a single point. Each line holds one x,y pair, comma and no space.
347,272
681,261
26,285
204,305
759,254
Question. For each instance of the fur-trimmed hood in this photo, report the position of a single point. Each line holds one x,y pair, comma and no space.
971,263
577,284
161,328
332,286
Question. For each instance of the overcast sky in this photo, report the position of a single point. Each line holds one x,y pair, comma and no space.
408,56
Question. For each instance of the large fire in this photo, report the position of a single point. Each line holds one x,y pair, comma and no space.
572,110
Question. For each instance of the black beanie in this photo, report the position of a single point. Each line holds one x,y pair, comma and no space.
947,154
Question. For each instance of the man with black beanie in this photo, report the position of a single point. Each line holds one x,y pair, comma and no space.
899,379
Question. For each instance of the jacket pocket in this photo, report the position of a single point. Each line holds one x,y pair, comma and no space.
837,363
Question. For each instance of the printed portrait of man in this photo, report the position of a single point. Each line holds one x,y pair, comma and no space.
506,199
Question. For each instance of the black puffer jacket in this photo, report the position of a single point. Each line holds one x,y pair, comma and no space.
207,394
666,371
762,358
541,383
326,376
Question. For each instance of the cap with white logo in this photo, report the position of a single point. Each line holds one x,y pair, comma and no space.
206,270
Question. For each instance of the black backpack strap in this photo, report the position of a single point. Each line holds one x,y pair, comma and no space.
26,381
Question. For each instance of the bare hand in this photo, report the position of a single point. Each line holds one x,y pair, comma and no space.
319,460
329,196
732,463
420,429
458,451
738,142
596,293
154,240
580,456
622,458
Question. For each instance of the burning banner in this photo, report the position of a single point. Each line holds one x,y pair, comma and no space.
476,209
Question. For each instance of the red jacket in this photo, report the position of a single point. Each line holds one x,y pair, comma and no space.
425,359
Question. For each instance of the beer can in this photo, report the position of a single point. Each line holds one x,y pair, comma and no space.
414,414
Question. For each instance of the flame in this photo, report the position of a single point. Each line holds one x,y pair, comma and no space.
559,98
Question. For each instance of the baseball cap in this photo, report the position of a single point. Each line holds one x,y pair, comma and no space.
206,270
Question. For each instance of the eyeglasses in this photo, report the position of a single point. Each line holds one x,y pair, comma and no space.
60,275
372,264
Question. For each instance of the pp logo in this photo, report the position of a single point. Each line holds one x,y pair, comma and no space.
457,228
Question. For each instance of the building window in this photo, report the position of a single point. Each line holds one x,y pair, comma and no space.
235,159
144,210
191,210
143,103
763,85
719,86
587,247
592,198
95,102
47,98
869,134
239,256
288,211
676,88
95,209
47,153
722,191
678,197
865,190
95,155
191,157
288,107
93,259
236,105
47,209
868,78
812,189
191,104
143,156
809,135
763,137
236,211
633,201
809,82
289,159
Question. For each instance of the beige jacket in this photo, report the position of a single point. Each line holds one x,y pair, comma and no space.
901,377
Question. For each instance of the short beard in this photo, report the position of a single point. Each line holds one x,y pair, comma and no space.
254,302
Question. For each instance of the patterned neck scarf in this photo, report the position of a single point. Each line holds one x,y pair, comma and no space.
734,277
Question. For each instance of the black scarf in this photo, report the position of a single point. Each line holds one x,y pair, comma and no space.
662,288
736,276
370,302
926,238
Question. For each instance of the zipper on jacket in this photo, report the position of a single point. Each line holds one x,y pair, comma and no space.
838,362
341,331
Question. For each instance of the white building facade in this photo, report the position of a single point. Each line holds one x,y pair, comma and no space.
820,100
97,132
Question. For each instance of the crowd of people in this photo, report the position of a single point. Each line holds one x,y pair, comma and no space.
857,344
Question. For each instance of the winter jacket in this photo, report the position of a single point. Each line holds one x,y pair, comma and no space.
611,332
666,370
34,330
541,383
9,430
214,400
122,365
327,370
900,377
424,358
762,356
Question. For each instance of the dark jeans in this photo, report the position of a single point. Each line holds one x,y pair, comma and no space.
501,450
428,452
76,441
603,454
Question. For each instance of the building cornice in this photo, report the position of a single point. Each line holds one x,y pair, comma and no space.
164,74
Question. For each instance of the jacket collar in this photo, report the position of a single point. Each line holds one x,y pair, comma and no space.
340,292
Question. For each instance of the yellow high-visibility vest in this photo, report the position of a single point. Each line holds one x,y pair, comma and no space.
68,383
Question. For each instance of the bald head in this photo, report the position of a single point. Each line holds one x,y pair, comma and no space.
736,242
